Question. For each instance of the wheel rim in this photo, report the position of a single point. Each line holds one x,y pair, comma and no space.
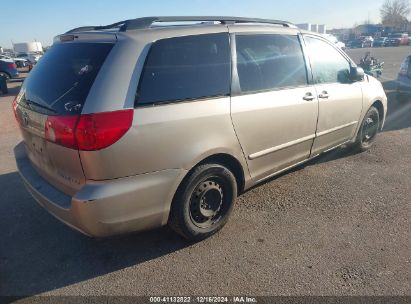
370,128
208,204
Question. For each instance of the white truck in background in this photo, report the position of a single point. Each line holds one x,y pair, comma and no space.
31,51
28,47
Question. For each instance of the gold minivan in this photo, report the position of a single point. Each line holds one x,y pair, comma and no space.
165,120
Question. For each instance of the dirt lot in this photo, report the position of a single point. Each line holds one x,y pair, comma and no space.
339,225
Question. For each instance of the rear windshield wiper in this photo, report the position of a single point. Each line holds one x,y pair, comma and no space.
30,102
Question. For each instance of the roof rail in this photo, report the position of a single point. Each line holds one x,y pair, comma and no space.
147,22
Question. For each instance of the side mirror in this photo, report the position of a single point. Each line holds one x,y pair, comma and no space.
356,73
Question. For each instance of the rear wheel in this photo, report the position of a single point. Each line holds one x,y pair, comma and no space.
368,130
203,202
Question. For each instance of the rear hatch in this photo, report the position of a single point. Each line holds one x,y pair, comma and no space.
48,108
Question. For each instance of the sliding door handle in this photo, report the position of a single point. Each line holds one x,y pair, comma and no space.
308,96
324,95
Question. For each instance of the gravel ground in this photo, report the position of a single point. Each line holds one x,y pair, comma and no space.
340,225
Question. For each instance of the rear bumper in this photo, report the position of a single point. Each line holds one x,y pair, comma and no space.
105,208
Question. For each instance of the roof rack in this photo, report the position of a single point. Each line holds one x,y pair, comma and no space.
147,22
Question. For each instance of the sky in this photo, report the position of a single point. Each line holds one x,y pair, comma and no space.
41,20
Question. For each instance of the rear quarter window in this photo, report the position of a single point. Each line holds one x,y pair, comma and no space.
186,68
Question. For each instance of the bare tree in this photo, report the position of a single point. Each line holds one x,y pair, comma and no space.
395,13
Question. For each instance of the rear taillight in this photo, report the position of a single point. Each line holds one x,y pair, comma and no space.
12,66
60,130
88,132
98,131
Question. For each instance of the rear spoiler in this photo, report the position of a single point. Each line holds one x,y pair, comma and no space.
86,37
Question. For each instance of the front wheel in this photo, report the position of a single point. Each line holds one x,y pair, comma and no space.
368,130
203,202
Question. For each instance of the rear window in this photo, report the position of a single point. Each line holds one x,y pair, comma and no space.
62,79
186,68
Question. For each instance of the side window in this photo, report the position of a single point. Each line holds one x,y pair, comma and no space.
185,68
269,61
328,65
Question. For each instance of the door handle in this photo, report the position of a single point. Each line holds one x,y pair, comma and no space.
324,95
308,96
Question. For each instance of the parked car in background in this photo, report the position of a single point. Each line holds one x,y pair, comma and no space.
349,44
8,68
354,44
31,57
107,151
380,42
360,43
20,62
398,39
404,80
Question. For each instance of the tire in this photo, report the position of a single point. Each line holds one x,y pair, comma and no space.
368,131
203,202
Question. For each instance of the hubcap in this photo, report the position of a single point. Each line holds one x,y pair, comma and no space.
210,202
206,203
370,128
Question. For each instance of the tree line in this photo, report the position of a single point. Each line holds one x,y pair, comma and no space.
395,13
